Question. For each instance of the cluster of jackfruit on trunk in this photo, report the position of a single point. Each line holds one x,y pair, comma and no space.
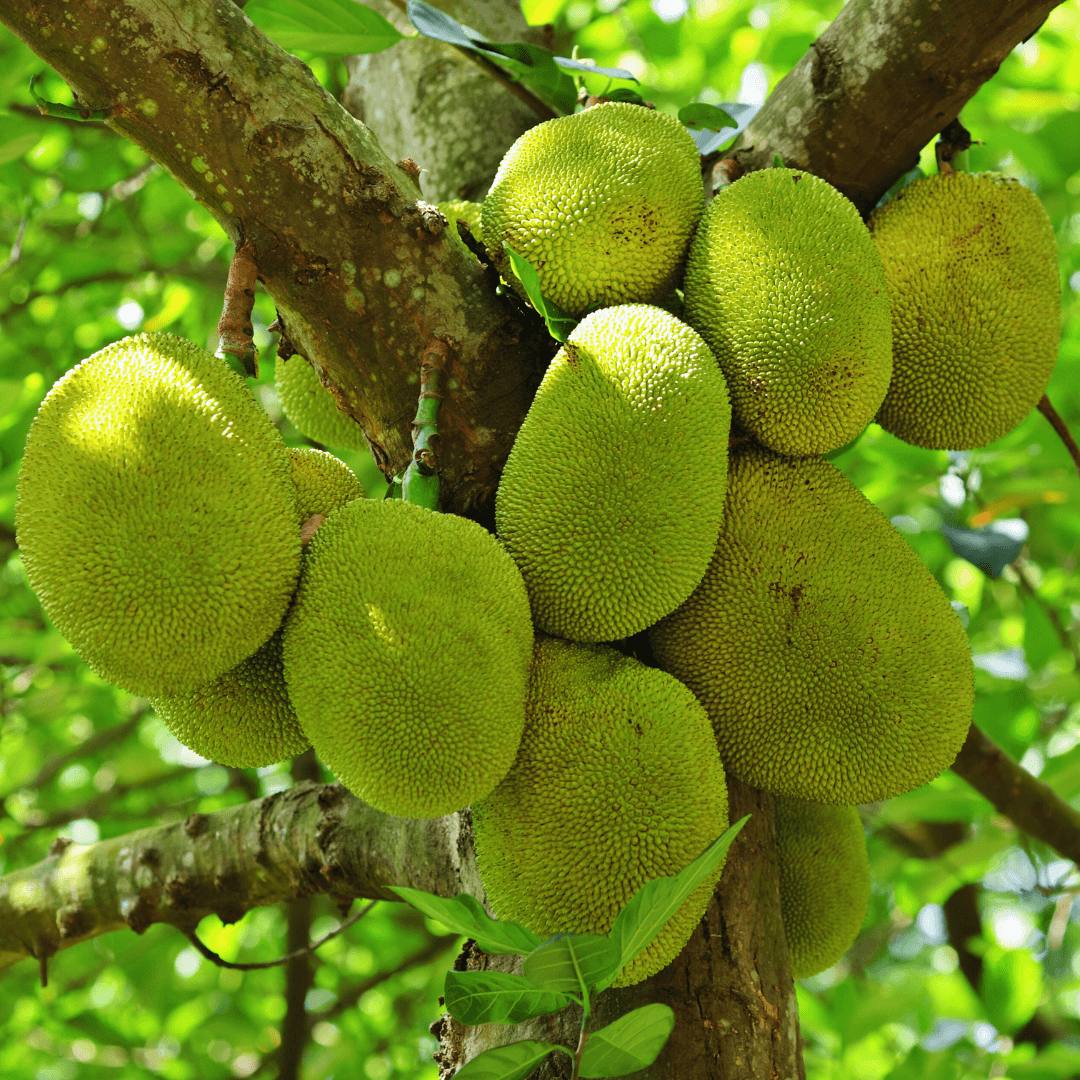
801,644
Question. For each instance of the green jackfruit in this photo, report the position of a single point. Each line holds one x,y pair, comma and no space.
784,284
322,481
602,203
830,661
972,268
156,515
617,782
311,408
824,881
462,210
406,656
613,493
244,718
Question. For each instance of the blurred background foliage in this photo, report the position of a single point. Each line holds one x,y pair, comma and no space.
969,962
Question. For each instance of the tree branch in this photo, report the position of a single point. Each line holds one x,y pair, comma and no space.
880,83
1028,803
312,838
363,276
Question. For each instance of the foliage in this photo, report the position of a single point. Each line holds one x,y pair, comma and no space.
100,242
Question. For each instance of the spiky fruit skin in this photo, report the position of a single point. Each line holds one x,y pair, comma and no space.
785,285
602,203
824,882
156,515
311,408
617,782
611,499
406,655
322,481
828,658
245,718
972,268
456,210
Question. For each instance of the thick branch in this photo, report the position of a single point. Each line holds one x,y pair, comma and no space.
880,83
1027,802
313,838
360,269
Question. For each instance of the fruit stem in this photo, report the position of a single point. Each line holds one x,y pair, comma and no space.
235,334
951,148
421,481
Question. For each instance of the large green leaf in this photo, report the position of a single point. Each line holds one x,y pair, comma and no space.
1010,988
655,903
571,963
513,1062
464,915
630,1043
331,26
494,997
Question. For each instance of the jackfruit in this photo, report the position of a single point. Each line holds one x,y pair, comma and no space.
406,656
244,718
156,515
311,408
617,782
824,882
611,499
972,267
462,210
832,665
602,203
322,481
784,284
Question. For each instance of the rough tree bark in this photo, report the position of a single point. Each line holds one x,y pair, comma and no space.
368,286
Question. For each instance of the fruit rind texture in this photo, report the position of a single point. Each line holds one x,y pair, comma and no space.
156,515
785,285
824,882
612,497
406,656
831,663
617,782
602,203
972,267
311,408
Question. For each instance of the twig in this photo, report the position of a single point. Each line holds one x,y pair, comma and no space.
1029,803
1062,430
545,112
16,247
213,957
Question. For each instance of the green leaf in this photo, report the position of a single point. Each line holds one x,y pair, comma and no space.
1010,987
558,322
329,26
493,997
709,141
433,23
656,902
630,1043
513,1062
777,161
593,69
706,117
572,963
464,915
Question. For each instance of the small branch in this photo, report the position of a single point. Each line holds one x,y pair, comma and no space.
296,954
16,247
235,333
1060,427
1030,804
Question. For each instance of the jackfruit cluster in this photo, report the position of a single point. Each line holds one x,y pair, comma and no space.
611,499
971,263
602,203
618,781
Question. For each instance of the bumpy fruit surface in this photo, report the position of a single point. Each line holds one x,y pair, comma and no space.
617,782
830,661
613,493
824,881
156,515
972,268
312,409
784,284
602,204
406,656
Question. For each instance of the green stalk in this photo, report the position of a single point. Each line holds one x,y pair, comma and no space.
420,483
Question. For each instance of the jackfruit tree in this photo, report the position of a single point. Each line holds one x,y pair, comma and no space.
691,514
